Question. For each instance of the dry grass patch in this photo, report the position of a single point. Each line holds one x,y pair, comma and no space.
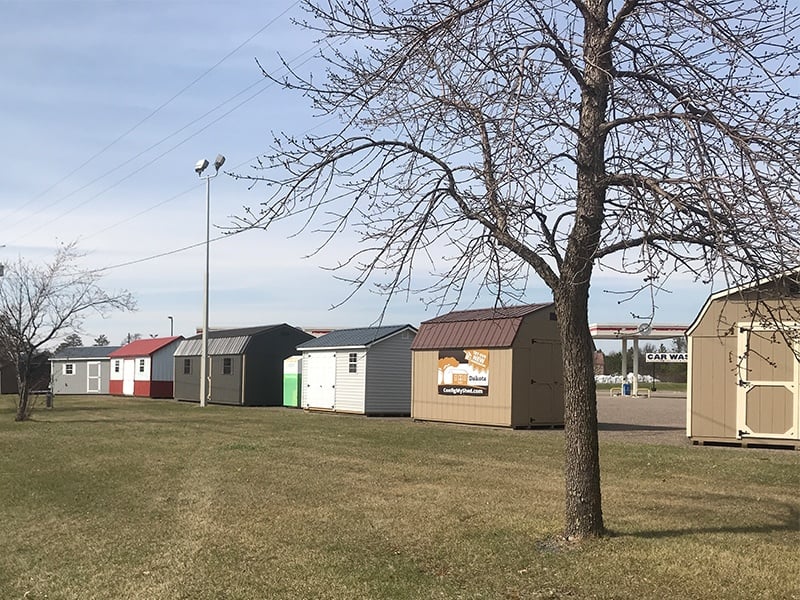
122,498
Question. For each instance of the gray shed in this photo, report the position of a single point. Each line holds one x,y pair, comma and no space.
364,371
245,365
81,370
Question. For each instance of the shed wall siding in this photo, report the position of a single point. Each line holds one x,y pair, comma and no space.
388,385
225,389
163,366
712,390
77,383
350,387
493,409
187,386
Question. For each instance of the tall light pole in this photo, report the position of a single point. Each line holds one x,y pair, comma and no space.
171,328
205,376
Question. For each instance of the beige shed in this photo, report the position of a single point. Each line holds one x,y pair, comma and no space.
496,366
743,376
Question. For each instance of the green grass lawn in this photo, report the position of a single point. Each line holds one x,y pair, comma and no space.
122,498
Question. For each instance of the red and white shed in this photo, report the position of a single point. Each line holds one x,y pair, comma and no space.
144,368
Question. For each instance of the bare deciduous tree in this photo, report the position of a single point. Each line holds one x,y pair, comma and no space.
550,137
37,303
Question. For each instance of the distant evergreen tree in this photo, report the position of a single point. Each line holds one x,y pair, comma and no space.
101,340
73,340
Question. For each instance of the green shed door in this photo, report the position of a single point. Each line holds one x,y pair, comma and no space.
767,400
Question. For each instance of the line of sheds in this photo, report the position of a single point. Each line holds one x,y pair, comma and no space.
499,366
444,367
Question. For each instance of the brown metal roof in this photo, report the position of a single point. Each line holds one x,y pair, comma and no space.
480,328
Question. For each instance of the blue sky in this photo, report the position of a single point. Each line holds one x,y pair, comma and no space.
106,105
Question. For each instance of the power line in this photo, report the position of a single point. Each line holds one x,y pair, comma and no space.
168,253
145,119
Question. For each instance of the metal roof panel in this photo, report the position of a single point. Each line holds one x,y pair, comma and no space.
143,347
481,328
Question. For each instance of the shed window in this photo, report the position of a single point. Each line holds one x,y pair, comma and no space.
353,363
69,369
141,365
227,366
187,366
116,366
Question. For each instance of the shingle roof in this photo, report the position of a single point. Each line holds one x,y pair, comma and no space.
143,347
354,338
84,352
484,327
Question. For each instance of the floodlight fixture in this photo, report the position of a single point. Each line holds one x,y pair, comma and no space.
219,161
200,166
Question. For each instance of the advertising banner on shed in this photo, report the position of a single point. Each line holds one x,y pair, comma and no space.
667,357
463,372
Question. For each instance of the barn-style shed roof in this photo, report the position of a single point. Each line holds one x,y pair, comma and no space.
360,337
225,341
483,327
144,347
84,352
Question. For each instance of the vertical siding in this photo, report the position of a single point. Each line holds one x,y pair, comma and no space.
225,389
187,386
163,367
538,394
493,409
350,387
712,387
388,383
316,393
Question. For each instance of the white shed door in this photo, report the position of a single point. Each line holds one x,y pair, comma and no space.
128,372
321,385
767,399
93,377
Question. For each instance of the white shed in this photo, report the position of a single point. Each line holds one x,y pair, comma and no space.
364,371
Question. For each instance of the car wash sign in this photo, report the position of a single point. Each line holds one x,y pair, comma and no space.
463,372
667,357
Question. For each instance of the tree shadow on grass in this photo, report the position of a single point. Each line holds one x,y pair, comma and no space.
788,522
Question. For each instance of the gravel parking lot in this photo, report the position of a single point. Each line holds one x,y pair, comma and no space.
660,419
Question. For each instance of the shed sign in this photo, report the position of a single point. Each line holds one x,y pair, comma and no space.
667,357
463,372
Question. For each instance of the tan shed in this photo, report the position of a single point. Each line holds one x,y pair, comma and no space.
744,375
497,366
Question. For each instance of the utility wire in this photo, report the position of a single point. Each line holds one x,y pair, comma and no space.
149,116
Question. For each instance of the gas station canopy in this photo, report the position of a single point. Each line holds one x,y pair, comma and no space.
635,332
617,331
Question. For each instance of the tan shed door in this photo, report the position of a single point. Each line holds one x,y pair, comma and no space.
767,400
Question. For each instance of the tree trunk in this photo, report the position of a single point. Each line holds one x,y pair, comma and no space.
23,406
584,515
24,397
